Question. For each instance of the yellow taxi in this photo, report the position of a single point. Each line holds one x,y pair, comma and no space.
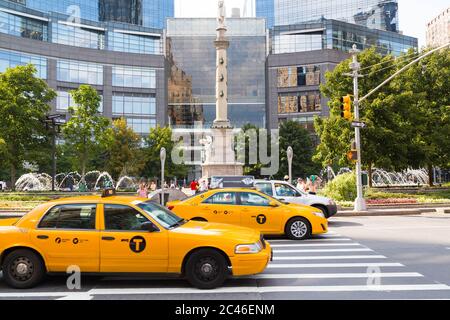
111,234
251,208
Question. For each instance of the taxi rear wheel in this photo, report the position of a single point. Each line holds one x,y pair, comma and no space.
206,269
298,229
23,269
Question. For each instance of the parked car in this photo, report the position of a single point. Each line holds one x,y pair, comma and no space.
286,192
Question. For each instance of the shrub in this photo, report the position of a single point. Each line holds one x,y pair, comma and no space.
342,188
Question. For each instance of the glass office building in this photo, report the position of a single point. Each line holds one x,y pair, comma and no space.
337,35
374,14
116,46
192,58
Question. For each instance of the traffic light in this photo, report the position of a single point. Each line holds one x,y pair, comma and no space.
352,155
346,108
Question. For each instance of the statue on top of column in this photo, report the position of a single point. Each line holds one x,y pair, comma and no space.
221,13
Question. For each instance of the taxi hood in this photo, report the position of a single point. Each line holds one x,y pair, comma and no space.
219,230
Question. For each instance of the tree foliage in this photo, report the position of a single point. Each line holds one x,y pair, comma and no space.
406,119
295,135
158,138
124,150
87,131
24,102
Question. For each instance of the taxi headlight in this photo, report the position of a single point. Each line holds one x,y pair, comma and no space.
248,248
319,214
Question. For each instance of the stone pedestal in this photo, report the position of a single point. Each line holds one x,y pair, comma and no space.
221,160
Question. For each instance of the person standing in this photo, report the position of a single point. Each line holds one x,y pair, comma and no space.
142,191
153,186
301,185
194,186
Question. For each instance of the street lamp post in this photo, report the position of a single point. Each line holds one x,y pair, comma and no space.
53,123
290,156
360,202
162,156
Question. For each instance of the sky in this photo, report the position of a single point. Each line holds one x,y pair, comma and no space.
413,14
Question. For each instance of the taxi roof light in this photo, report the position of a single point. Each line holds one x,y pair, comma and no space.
108,192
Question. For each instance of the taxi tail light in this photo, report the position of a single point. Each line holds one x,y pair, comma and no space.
170,207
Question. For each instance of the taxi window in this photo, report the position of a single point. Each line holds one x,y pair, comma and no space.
264,188
73,216
284,190
123,218
253,199
222,198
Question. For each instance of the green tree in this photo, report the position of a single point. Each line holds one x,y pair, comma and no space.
295,135
24,102
124,151
426,88
252,169
158,138
386,142
87,131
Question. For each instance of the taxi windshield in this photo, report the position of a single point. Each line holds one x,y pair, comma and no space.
163,216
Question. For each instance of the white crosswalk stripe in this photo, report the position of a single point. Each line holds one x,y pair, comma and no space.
331,263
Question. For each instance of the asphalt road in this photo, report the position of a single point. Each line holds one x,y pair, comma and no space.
400,257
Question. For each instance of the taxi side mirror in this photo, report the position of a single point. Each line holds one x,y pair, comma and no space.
149,226
273,204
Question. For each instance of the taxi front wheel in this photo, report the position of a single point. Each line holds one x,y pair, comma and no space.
298,229
206,269
23,269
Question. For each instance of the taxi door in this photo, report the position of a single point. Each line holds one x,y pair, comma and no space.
67,236
125,247
220,207
256,213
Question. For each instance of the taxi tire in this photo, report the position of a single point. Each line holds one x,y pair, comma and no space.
289,233
38,269
192,268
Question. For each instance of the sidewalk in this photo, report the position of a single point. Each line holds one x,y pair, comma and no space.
393,212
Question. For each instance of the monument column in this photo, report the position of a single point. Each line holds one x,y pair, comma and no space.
220,156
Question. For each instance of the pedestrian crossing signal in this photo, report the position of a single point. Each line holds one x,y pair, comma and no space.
352,155
346,108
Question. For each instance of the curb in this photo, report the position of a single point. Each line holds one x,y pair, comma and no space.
376,213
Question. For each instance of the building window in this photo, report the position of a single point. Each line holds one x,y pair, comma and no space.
134,43
141,126
76,36
134,104
23,27
80,72
299,102
9,59
298,76
64,100
134,77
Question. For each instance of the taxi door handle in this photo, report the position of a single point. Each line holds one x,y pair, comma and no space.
108,238
42,237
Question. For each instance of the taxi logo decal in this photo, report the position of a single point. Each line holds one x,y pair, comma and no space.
261,219
75,241
58,240
137,244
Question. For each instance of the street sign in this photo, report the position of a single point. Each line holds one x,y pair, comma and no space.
356,124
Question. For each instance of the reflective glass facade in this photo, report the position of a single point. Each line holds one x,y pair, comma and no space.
148,13
133,104
79,72
338,35
76,36
64,100
375,14
10,59
192,58
133,77
140,125
134,43
23,27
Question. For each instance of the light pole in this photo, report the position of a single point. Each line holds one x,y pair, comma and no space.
360,202
162,156
52,122
290,156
